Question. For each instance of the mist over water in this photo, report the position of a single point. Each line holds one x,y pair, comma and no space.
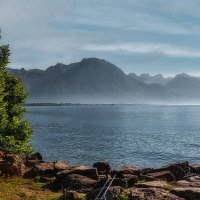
139,135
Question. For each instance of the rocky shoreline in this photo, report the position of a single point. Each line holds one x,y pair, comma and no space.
176,181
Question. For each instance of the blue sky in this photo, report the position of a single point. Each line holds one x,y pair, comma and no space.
141,36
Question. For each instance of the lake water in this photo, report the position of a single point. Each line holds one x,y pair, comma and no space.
138,135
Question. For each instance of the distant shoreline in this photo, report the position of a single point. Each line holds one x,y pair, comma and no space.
99,104
65,104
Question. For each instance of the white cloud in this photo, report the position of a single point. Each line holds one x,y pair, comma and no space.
145,48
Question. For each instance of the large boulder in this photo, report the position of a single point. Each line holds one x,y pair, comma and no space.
12,165
90,172
103,167
127,170
42,169
33,159
78,183
34,156
188,188
130,170
190,193
179,169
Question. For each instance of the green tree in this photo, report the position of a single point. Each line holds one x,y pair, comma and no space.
15,132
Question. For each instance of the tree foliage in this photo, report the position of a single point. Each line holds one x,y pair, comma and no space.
15,132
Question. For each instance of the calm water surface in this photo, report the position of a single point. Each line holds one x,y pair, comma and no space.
123,135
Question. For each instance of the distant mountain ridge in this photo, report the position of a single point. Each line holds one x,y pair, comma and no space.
94,80
148,79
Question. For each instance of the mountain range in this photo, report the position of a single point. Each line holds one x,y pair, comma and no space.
94,80
148,79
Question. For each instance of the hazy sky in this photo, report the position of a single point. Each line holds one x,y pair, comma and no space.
154,36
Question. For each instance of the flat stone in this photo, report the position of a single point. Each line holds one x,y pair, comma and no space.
151,194
90,172
60,165
193,181
44,167
162,175
126,170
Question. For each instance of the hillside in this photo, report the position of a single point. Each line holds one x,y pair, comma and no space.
91,80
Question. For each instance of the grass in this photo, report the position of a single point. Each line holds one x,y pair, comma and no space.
17,188
123,195
169,187
82,197
37,178
143,181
